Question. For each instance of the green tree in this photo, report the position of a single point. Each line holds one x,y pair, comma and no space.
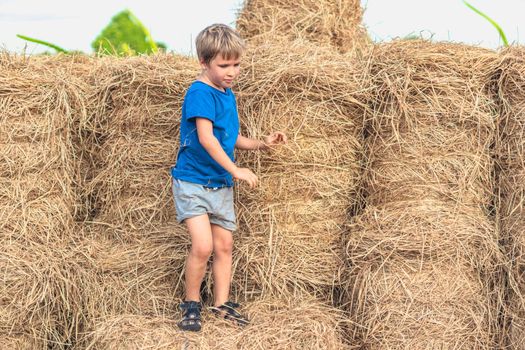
124,35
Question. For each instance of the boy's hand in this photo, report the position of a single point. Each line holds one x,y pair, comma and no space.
275,138
247,175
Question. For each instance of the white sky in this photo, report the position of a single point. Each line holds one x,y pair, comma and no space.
74,24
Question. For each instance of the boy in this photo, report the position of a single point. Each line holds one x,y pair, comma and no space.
205,170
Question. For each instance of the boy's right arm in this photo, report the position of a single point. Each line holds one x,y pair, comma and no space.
214,149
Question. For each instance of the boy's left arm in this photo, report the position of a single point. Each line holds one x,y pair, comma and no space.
274,139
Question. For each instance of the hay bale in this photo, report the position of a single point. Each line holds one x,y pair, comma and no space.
40,103
132,185
335,24
35,209
305,324
137,136
39,295
510,153
423,305
134,127
423,256
125,272
424,229
449,164
291,225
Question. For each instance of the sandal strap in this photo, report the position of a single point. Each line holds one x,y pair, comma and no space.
229,307
231,304
191,310
186,305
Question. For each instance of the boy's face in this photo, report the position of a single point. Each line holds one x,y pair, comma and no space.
222,72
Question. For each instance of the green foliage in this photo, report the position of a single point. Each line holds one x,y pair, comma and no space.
124,35
496,25
38,41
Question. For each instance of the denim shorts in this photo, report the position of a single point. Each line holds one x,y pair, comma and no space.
193,199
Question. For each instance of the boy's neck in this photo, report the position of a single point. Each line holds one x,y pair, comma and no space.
204,79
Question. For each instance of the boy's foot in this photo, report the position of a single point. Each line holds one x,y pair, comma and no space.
228,312
191,316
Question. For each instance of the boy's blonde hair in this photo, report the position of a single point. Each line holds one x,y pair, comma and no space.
218,39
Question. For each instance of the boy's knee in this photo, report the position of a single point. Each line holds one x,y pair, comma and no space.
202,252
224,247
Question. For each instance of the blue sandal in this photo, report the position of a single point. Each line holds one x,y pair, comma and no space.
227,311
191,316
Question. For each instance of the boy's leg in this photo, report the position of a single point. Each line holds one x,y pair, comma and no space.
222,263
201,249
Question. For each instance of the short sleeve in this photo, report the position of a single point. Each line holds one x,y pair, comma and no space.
200,103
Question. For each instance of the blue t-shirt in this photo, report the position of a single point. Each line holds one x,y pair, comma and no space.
194,164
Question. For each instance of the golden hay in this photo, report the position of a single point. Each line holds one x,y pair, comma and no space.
38,294
423,229
135,147
20,342
305,324
510,151
28,157
291,225
40,102
139,93
428,186
331,23
134,128
449,164
130,272
35,209
423,305
422,84
136,199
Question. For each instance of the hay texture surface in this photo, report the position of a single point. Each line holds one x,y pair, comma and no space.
291,225
135,131
423,255
275,325
511,153
40,102
129,272
331,23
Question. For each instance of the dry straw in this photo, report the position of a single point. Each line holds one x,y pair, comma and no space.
134,127
424,258
510,154
334,24
40,297
138,273
304,324
291,225
310,93
40,101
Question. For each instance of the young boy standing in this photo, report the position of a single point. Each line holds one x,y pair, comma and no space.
205,170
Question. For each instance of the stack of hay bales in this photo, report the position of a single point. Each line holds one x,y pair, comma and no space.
511,155
134,249
292,224
39,299
133,252
336,24
423,254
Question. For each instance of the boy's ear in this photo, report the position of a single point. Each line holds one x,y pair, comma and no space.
203,64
